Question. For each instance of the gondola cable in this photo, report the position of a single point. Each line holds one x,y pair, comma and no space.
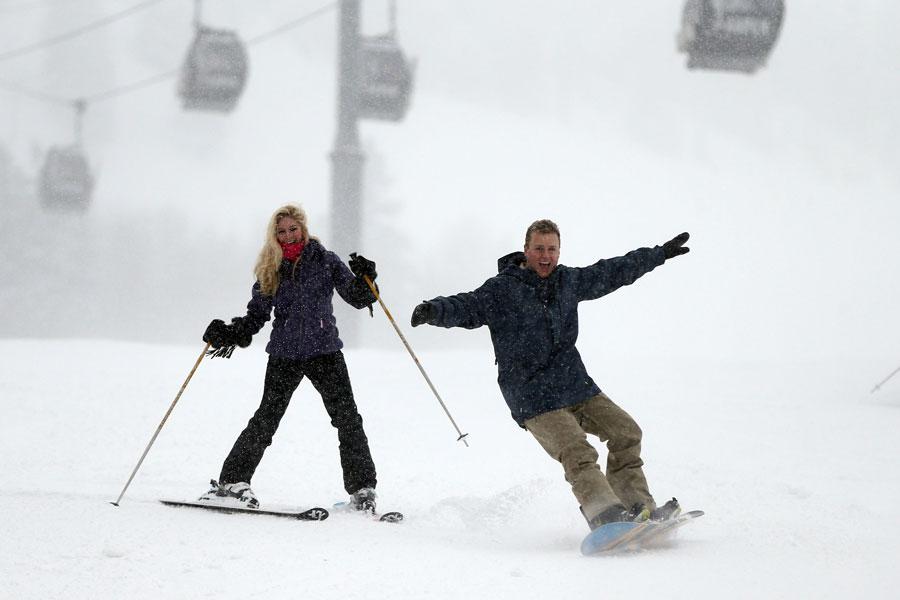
99,23
172,73
37,95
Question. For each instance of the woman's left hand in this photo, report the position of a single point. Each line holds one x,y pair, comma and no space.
362,266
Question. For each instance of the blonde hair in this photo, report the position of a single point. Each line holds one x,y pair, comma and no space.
270,256
542,226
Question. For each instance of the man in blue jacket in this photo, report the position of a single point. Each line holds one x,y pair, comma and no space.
531,309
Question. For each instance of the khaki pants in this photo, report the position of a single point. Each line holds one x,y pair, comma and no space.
562,433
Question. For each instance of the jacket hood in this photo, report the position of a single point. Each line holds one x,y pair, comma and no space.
513,259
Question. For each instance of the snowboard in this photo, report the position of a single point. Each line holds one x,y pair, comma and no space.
309,514
388,517
620,537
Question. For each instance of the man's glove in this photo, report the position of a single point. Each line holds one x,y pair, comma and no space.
218,334
362,266
675,246
421,314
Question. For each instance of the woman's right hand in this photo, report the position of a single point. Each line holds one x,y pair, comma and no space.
218,334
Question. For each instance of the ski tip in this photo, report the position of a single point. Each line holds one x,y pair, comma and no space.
392,517
313,514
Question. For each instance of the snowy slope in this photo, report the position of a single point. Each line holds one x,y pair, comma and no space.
795,465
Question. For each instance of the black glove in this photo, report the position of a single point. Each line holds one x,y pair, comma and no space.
362,266
421,314
223,338
675,246
239,333
218,334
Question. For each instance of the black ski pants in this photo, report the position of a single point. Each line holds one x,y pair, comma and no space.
328,374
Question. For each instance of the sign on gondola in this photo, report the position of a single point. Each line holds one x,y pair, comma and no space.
730,35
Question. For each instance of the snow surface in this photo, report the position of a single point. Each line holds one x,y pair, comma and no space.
795,465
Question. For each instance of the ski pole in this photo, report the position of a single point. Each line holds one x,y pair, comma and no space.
885,380
462,436
161,423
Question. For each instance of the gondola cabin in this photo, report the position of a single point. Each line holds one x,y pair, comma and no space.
385,82
65,179
730,35
214,72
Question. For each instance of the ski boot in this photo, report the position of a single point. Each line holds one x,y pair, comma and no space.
669,510
617,513
364,500
230,494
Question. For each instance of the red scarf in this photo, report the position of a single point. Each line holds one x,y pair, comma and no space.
292,251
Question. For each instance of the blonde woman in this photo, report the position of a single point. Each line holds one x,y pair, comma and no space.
297,277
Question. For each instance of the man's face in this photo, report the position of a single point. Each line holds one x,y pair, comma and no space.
542,253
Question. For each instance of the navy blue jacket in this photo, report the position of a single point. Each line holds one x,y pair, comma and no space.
304,323
534,325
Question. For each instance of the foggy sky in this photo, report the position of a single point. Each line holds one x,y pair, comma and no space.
578,111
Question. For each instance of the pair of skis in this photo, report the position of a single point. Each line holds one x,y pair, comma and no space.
309,514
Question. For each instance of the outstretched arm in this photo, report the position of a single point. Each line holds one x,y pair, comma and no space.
469,310
610,274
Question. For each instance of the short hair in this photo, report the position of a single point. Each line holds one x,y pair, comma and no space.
541,226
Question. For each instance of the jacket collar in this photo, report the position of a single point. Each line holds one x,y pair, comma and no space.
513,264
312,251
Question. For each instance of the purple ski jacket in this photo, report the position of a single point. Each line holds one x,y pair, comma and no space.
304,324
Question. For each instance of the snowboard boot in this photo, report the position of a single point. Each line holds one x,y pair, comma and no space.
364,500
669,510
238,495
617,513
